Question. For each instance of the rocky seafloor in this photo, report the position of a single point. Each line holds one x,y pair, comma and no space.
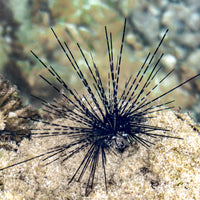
168,170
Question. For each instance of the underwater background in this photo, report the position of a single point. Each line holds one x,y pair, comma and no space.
25,25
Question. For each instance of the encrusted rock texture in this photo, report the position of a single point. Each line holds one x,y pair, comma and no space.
12,126
170,169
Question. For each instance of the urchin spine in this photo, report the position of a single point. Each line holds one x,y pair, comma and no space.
105,120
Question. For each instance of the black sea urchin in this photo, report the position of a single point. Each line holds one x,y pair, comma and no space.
104,119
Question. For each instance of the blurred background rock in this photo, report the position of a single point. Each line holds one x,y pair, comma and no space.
25,25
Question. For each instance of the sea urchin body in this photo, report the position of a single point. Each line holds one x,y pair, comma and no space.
105,120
